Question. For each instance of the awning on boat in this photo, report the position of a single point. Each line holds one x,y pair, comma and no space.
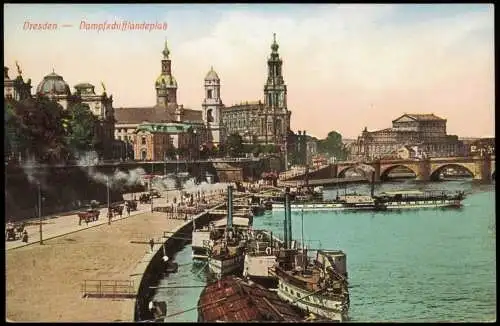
237,221
403,192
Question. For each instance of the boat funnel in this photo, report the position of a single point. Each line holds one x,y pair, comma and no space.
285,234
289,224
229,224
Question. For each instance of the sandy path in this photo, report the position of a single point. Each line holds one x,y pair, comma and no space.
43,282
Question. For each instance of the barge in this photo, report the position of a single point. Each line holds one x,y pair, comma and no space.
232,299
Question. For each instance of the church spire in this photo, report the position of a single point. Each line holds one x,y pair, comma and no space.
166,51
275,45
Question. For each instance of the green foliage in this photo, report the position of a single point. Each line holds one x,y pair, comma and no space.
332,145
234,145
36,129
41,128
82,129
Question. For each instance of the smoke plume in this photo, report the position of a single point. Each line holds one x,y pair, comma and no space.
118,178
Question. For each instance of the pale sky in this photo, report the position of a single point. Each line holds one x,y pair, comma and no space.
345,66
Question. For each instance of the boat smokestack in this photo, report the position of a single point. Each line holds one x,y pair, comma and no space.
285,235
229,207
289,224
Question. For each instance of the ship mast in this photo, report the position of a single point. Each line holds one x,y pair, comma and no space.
229,224
303,244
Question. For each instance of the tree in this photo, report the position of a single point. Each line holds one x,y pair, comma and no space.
40,122
234,144
83,130
333,145
13,138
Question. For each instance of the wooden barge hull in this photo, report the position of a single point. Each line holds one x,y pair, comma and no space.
233,300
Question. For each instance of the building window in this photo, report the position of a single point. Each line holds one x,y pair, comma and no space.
209,93
144,154
143,140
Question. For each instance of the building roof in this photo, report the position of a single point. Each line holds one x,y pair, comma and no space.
421,117
154,114
167,81
254,105
139,115
192,115
169,128
85,88
212,75
53,84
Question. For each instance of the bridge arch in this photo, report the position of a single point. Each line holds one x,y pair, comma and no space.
342,171
434,175
384,173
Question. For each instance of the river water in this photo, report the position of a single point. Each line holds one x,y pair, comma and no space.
416,266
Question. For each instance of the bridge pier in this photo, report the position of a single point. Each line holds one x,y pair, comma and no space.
483,170
334,169
424,170
376,166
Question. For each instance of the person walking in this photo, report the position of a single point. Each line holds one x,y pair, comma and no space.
151,244
128,210
25,236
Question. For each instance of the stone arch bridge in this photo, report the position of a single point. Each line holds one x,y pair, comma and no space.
481,168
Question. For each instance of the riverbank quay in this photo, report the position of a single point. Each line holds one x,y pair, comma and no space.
152,266
65,223
43,282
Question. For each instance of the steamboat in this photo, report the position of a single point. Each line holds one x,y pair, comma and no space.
226,255
204,238
411,199
390,200
260,255
318,286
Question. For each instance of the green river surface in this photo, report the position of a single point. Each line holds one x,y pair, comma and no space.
425,265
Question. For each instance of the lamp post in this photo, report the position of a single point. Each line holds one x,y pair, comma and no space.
286,152
109,206
40,211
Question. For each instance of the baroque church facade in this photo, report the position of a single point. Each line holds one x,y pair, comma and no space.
145,129
259,122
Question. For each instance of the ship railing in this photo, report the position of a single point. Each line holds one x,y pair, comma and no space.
108,289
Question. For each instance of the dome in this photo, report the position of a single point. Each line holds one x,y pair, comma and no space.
53,84
212,75
168,81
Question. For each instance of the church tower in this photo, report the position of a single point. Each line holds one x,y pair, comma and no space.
166,85
212,106
278,118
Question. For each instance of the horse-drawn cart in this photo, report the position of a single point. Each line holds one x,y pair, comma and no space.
145,198
117,209
90,215
132,204
13,231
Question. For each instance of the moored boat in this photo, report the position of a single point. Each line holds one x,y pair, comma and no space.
318,286
226,254
346,202
411,199
232,299
260,255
